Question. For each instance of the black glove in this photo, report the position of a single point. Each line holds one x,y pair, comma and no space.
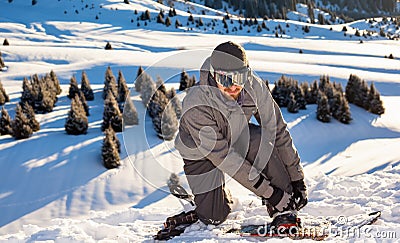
299,194
279,201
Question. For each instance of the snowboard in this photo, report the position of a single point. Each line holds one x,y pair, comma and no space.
307,227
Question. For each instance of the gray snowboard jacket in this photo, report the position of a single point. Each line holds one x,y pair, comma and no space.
215,127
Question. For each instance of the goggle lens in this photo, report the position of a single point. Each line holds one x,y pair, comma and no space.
227,79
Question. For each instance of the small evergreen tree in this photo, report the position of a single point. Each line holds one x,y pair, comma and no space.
160,85
3,95
177,23
111,115
110,84
30,115
86,88
352,84
27,95
160,18
5,42
73,88
374,100
108,46
5,123
167,21
56,82
343,113
130,114
139,79
323,110
148,88
183,84
109,151
122,88
361,98
20,125
169,123
176,103
293,106
77,122
114,138
157,105
84,103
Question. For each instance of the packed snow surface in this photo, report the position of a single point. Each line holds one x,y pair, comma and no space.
54,187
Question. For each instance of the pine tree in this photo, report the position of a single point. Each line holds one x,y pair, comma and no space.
183,84
114,138
86,88
47,96
299,96
157,104
335,103
160,85
122,88
111,115
3,95
139,79
108,46
110,84
176,103
352,84
77,122
27,92
177,23
361,97
169,123
167,21
109,152
323,110
160,18
84,103
292,106
374,100
130,114
6,42
5,123
148,88
30,115
343,114
73,88
56,82
20,125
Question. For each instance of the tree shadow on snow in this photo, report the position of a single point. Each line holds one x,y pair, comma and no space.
45,170
317,141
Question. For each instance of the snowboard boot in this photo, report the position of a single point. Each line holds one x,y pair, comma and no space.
285,223
176,225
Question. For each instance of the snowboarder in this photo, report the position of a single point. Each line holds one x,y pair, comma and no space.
216,137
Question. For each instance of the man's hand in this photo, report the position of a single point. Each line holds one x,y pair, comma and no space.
299,194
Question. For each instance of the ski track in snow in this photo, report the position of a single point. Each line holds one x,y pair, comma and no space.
58,190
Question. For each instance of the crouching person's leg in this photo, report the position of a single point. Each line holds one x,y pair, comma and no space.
213,204
275,170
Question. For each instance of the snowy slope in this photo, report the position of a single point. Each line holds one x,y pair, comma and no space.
54,186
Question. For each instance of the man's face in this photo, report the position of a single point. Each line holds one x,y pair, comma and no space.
232,91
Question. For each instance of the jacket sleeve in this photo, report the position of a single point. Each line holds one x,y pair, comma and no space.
202,128
283,140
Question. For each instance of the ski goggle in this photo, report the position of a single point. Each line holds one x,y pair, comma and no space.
229,78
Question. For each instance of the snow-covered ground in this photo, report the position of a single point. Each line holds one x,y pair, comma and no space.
54,187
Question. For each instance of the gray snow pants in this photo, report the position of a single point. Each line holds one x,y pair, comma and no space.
214,205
